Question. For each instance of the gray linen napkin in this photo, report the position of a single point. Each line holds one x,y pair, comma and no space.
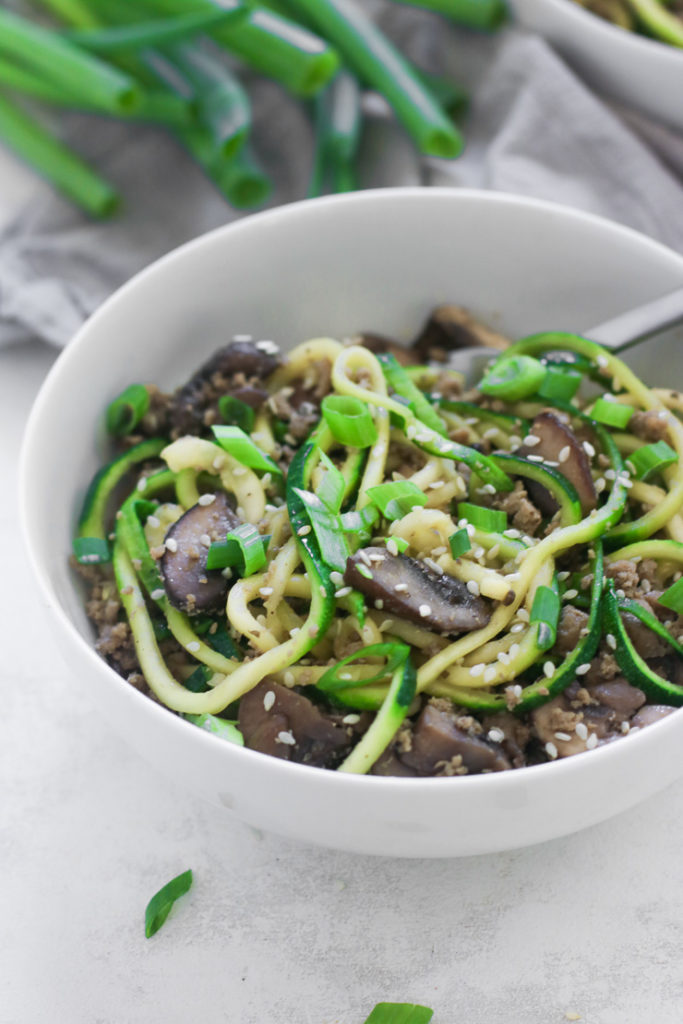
533,129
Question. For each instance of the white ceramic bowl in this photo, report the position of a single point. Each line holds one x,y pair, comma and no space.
370,260
641,72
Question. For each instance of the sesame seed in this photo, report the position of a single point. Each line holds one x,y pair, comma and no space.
425,610
494,551
157,594
512,534
400,588
473,587
564,453
379,604
490,674
625,727
517,690
342,592
581,730
535,458
551,751
488,489
548,669
239,471
288,678
171,544
564,575
362,554
592,741
611,641
602,362
206,499
205,540
477,670
564,736
336,577
517,628
435,484
392,546
523,614
142,483
303,531
531,440
286,738
218,462
265,591
268,700
495,735
378,451
193,646
600,485
153,521
582,669
351,719
589,449
241,337
569,595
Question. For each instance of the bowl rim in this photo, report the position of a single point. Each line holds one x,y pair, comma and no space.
155,710
588,21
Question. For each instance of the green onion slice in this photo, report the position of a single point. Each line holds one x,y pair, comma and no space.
238,444
332,486
399,543
513,377
651,459
491,520
350,420
559,384
243,549
673,597
611,414
359,524
218,727
328,530
400,1013
160,904
91,549
546,611
335,677
236,412
126,411
459,542
396,499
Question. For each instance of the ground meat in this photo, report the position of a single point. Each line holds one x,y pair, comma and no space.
523,513
115,643
649,425
570,630
155,421
603,666
625,576
298,404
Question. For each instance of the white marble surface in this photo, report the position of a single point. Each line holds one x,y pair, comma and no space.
589,927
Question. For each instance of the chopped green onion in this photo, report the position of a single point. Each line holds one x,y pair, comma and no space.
221,640
651,459
328,530
459,542
399,543
370,55
673,597
56,59
491,520
546,611
396,499
91,549
217,726
332,486
448,94
243,549
55,161
611,414
238,444
198,681
337,131
151,33
242,180
160,904
235,411
559,384
126,411
350,420
399,381
400,1013
360,523
334,678
483,14
513,377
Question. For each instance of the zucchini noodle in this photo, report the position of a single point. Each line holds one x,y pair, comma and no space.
383,575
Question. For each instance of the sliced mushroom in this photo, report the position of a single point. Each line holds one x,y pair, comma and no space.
189,585
618,695
378,344
440,746
409,590
555,437
451,327
230,370
650,714
645,641
285,724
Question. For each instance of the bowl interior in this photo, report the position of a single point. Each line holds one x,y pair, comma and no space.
377,261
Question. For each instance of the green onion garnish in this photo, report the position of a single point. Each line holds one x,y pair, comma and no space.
459,542
350,420
243,549
400,1013
91,549
651,459
559,384
611,414
483,14
328,530
238,444
359,523
396,499
236,412
160,904
491,520
335,677
399,543
513,377
673,597
546,610
126,411
151,33
401,384
332,486
217,726
198,681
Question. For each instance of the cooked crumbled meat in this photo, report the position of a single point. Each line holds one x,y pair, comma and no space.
155,421
299,403
515,733
557,717
647,570
625,576
649,425
523,513
569,632
116,644
603,666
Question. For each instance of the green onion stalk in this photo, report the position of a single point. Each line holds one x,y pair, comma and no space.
483,14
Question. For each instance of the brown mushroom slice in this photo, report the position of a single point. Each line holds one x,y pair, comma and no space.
555,437
439,743
286,724
379,344
409,590
650,714
451,327
189,584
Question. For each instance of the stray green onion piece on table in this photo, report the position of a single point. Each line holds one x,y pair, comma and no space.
160,905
